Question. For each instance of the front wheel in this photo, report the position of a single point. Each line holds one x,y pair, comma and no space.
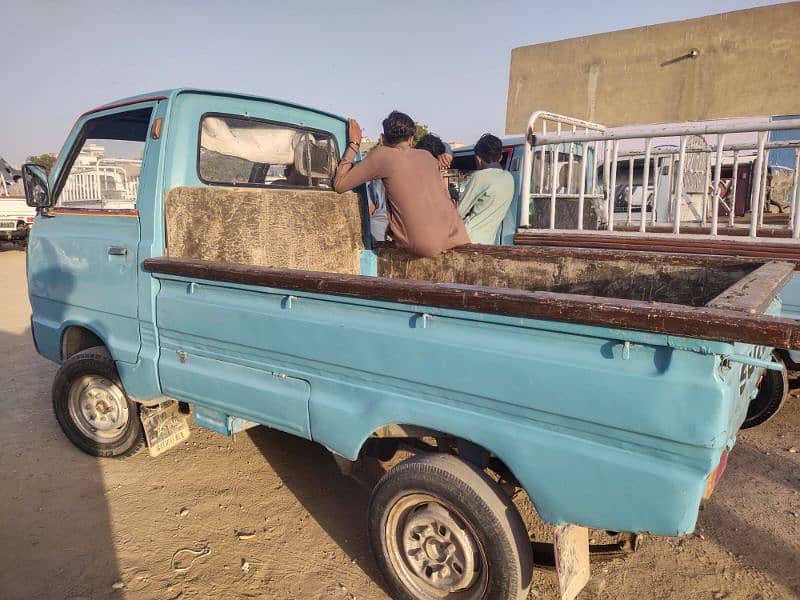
441,529
92,409
772,392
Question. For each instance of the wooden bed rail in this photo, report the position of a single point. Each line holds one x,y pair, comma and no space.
720,324
763,248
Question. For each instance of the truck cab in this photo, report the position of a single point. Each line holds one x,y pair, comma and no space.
115,156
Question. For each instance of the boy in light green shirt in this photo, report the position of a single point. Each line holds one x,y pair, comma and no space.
488,192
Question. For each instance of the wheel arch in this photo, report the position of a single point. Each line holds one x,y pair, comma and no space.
642,491
469,450
76,338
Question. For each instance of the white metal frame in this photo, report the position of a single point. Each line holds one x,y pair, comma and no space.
570,133
90,183
541,119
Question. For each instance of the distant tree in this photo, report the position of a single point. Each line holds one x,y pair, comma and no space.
421,132
47,160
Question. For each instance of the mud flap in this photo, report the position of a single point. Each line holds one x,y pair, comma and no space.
571,545
164,427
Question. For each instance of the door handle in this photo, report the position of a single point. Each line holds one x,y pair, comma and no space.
117,251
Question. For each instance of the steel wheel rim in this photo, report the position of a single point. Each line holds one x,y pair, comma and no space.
98,408
433,550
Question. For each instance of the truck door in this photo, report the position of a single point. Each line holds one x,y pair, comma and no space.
83,256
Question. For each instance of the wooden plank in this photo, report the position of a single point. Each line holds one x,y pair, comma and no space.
694,322
571,545
669,245
754,292
763,232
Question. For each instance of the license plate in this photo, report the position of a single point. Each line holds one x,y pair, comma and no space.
8,224
164,427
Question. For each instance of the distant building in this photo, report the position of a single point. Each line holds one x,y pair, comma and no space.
734,64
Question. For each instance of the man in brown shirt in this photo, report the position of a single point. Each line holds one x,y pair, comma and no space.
422,218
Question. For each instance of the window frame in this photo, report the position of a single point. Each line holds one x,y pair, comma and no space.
75,150
282,186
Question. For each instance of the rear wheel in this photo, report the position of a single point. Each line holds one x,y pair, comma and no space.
440,528
92,409
772,393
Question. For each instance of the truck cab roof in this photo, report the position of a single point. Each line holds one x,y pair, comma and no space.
170,94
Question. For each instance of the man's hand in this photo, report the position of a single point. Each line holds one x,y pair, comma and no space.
445,160
353,132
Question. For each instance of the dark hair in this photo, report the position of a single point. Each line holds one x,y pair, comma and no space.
431,143
489,147
398,127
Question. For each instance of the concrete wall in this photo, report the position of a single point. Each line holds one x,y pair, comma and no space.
748,64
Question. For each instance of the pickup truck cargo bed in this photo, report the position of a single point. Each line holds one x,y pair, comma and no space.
679,295
736,293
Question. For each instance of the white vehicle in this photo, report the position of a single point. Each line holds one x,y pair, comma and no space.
16,217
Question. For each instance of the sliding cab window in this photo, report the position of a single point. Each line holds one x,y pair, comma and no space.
240,151
103,170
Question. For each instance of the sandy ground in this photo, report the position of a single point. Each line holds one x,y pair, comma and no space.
278,521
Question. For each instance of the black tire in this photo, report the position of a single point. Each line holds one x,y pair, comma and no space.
96,364
772,392
504,559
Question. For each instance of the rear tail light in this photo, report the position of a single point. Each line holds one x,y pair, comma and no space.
716,475
29,220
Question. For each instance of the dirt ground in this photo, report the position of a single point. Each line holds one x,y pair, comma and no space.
267,515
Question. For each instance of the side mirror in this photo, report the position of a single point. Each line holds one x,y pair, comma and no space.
34,178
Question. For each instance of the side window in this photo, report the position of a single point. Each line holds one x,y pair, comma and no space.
241,151
103,172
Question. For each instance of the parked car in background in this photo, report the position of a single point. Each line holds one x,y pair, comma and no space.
16,217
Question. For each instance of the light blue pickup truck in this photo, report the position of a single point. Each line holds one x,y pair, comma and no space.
190,259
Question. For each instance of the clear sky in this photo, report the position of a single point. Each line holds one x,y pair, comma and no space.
444,62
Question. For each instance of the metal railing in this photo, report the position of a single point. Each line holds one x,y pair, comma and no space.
7,188
560,124
101,184
548,134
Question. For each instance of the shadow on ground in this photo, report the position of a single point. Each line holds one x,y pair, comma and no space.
338,503
56,529
751,540
55,522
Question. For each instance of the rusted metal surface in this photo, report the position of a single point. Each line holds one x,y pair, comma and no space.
701,323
668,245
